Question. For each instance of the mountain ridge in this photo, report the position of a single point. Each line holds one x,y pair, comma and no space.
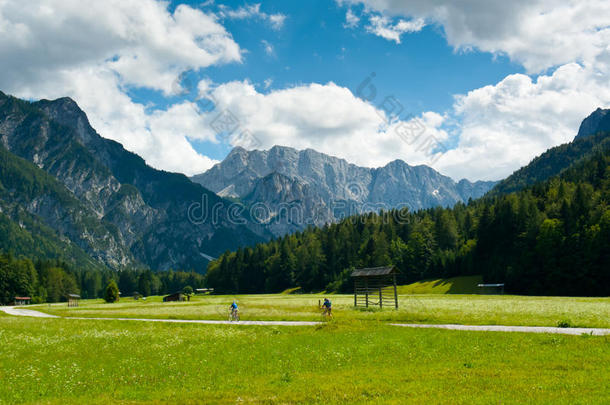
597,121
557,159
340,188
146,211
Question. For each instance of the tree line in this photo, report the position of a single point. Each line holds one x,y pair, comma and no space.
552,238
53,280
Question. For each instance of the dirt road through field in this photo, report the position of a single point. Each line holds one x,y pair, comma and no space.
505,328
17,311
20,311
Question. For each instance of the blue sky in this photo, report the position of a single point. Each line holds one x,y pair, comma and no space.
484,86
423,72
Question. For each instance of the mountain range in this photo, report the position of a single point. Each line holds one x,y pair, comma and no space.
294,189
545,230
92,196
68,193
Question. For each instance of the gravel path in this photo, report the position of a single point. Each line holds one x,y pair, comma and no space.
503,328
29,312
486,328
25,312
206,322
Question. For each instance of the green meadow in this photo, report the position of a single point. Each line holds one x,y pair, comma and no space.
62,361
454,285
355,358
416,308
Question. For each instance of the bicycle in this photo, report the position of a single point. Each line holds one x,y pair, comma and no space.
234,315
326,312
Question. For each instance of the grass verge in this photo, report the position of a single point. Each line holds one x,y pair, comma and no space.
60,361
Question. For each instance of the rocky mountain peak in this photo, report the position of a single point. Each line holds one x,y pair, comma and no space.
113,206
326,187
598,121
67,112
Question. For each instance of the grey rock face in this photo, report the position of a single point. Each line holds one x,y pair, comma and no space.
598,121
326,188
121,211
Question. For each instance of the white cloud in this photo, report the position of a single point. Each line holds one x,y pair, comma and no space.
327,118
276,21
267,47
351,19
94,53
503,126
535,33
382,26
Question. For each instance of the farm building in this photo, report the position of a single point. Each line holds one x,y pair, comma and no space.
491,289
73,300
174,297
375,286
22,300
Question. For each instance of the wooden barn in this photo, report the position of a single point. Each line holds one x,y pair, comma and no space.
375,286
22,300
174,297
73,300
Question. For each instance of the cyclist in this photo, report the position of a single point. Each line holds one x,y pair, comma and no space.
234,310
327,305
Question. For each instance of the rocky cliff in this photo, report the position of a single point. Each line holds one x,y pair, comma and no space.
302,188
115,207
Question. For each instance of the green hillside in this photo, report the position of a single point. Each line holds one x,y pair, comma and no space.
552,238
552,162
453,285
23,233
107,200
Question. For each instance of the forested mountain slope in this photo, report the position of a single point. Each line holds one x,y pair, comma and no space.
26,191
552,162
125,212
552,238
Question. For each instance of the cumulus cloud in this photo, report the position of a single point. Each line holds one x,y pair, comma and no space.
538,34
503,126
331,119
95,54
351,19
382,26
276,21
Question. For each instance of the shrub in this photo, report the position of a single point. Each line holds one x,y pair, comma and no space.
188,291
112,292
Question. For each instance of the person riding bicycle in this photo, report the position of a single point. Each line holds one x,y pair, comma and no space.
327,305
234,309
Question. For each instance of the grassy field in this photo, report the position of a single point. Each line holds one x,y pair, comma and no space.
462,309
355,358
454,285
61,361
